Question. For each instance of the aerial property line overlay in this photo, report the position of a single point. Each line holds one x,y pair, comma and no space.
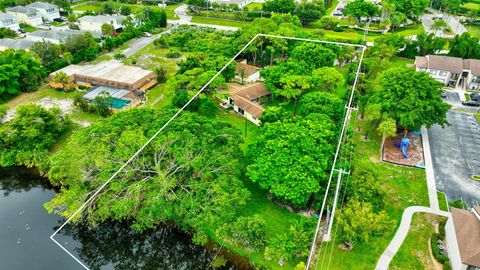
333,169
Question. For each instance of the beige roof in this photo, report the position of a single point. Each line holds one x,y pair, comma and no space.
247,69
452,64
248,106
242,97
110,70
467,230
447,63
252,91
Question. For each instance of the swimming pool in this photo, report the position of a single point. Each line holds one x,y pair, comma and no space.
118,103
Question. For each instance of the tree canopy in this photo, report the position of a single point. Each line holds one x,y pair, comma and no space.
410,7
411,98
465,46
188,175
291,157
25,139
361,8
279,6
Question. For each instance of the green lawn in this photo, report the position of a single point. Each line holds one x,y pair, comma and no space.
28,28
471,6
97,6
473,29
410,30
442,201
255,6
218,21
414,252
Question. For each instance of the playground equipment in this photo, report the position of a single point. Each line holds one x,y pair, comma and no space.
403,146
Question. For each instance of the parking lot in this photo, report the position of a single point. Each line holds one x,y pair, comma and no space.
456,154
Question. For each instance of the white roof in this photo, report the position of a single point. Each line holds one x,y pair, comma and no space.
5,16
102,19
20,9
42,5
16,44
57,34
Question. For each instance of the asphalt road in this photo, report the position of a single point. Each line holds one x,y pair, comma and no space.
456,155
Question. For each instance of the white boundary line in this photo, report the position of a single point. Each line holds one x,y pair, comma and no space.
183,108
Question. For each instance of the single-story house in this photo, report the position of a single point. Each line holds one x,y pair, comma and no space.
16,44
8,21
246,101
25,15
94,23
246,73
462,232
55,36
48,11
110,73
451,71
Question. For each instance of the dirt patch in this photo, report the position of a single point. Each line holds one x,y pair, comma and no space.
65,105
392,152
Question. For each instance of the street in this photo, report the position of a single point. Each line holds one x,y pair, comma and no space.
455,154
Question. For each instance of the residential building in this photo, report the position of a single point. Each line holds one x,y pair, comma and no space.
453,72
16,44
246,73
462,232
48,11
25,15
8,21
54,36
247,100
111,74
94,23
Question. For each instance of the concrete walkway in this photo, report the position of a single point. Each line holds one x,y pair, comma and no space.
432,188
402,232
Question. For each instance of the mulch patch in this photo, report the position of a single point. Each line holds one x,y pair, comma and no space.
393,154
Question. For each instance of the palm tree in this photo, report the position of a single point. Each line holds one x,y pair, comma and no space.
438,25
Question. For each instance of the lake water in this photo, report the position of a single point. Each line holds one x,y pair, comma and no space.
25,228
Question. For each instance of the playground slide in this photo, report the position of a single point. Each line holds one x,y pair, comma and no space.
405,144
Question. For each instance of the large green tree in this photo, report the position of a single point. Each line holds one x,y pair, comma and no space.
323,103
361,8
314,55
279,6
465,46
25,139
291,158
49,53
410,98
410,7
20,72
188,175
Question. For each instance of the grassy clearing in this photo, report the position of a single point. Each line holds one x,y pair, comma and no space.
471,6
442,201
28,27
218,21
255,6
97,6
411,30
473,29
414,252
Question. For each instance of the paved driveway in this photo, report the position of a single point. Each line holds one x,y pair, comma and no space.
456,156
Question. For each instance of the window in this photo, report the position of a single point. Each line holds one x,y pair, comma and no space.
241,111
433,72
443,73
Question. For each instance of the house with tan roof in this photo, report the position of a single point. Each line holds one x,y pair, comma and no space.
453,72
247,100
462,233
246,73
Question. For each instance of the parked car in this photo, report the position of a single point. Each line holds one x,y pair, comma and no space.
22,31
146,34
60,20
475,97
444,94
471,103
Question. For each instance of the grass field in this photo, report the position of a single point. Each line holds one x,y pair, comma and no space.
97,6
471,6
442,201
414,252
28,28
218,21
474,30
255,6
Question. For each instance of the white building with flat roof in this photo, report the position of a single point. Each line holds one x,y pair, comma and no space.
8,21
94,23
54,36
48,11
16,44
25,15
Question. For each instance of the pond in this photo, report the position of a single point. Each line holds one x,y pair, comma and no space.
25,228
